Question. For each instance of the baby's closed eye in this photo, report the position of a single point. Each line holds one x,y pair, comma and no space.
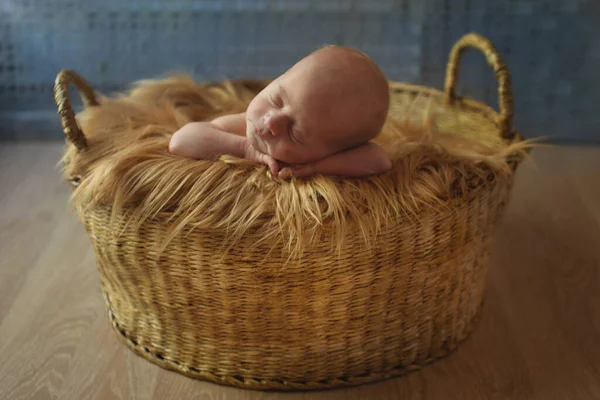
293,135
276,101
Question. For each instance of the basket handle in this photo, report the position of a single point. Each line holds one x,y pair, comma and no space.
500,70
65,110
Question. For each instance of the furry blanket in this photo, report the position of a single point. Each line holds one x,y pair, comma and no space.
128,168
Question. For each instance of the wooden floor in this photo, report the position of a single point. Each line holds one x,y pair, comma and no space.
539,337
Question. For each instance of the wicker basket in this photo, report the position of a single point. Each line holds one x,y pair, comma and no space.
324,321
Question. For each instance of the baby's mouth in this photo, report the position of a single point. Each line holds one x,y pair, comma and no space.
262,132
256,137
257,141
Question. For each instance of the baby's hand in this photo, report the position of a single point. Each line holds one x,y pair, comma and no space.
298,171
261,158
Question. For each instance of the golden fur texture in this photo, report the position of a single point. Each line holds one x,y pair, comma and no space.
128,167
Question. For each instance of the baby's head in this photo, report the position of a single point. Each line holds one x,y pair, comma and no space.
332,100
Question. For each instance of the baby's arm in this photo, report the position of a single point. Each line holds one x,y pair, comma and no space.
205,140
234,123
209,140
364,160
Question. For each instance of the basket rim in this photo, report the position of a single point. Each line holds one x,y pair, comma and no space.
462,102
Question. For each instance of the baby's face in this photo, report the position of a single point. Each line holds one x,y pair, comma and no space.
327,102
331,100
294,118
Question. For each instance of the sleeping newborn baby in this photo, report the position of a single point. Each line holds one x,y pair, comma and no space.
316,118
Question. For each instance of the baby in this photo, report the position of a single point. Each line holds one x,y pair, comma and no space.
316,118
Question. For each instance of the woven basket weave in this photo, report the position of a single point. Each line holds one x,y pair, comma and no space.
324,321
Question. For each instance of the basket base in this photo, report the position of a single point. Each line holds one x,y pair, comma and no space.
282,385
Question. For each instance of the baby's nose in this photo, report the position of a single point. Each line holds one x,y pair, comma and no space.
275,122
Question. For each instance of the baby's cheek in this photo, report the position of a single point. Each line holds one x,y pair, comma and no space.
284,153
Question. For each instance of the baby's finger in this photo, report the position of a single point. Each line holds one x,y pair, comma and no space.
273,165
286,173
301,171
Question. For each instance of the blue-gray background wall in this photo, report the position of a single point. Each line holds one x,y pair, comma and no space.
552,48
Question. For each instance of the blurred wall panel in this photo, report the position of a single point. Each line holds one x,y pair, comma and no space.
552,48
